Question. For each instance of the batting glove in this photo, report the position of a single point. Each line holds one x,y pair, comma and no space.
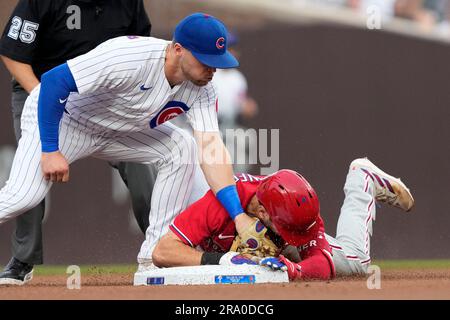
294,269
273,263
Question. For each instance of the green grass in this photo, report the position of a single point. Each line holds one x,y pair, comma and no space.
87,269
413,264
131,269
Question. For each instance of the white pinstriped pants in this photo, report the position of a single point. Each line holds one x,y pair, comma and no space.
351,247
170,148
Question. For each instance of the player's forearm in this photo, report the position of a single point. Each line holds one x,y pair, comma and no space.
218,176
171,252
316,267
22,72
56,86
215,161
216,165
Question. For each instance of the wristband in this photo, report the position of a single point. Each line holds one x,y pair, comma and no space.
211,258
229,198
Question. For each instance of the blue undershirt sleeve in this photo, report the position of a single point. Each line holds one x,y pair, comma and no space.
56,85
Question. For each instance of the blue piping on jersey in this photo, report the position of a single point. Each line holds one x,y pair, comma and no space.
56,85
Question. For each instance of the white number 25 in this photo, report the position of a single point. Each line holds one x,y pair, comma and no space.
27,34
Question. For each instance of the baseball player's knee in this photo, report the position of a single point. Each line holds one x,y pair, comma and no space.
29,205
351,167
16,199
12,207
186,149
355,174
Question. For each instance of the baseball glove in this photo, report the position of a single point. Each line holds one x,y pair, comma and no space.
255,243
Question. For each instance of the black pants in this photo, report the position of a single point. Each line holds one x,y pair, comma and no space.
27,236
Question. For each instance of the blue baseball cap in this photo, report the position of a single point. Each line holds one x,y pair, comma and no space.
206,37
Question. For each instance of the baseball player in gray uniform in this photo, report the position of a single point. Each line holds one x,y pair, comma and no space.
113,103
348,253
288,205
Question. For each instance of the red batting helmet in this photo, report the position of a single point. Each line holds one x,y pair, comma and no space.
292,205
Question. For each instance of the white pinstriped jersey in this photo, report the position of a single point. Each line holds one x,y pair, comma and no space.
122,88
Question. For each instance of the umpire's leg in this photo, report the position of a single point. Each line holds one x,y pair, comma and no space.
139,179
27,237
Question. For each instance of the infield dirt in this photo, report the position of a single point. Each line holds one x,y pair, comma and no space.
395,284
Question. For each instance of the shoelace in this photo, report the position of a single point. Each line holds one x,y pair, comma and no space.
386,196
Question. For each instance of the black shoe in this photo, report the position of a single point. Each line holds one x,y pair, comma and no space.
16,273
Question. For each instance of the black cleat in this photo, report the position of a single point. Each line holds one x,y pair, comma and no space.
16,273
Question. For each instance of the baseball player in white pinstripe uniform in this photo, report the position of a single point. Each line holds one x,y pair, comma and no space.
112,103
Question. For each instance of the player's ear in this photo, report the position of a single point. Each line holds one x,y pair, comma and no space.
262,212
178,48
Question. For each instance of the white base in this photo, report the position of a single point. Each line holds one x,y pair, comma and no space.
202,275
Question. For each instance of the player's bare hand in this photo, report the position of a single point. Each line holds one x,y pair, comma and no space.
243,222
55,167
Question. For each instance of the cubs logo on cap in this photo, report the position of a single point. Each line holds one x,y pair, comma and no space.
206,38
220,43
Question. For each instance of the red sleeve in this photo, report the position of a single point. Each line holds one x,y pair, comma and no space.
317,261
317,265
192,225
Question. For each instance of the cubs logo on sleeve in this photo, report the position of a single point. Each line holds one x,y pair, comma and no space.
171,110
